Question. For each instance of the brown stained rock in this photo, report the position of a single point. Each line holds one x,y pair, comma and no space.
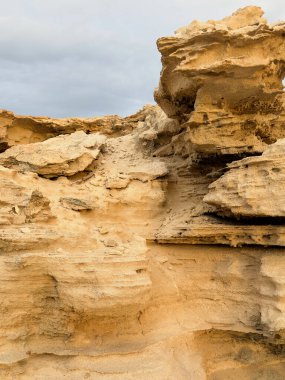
76,204
221,233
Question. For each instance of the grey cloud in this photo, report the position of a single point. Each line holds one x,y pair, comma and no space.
92,57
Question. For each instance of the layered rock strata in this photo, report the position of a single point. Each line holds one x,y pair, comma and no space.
152,247
223,80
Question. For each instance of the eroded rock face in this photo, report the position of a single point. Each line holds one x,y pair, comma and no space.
253,187
223,81
19,204
15,129
58,156
138,252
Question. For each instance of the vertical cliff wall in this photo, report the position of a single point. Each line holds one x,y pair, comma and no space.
152,247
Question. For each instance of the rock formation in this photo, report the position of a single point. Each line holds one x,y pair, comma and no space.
223,80
152,247
55,157
253,186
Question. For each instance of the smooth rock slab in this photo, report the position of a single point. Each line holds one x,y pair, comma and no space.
148,171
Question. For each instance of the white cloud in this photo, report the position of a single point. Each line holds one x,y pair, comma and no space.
88,57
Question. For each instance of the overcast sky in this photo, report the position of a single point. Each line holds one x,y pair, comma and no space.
92,57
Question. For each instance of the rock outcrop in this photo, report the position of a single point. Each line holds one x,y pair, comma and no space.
253,187
17,129
152,247
223,81
58,156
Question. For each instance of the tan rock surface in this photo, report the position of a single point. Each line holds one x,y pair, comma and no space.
253,187
58,156
15,129
19,204
223,81
112,264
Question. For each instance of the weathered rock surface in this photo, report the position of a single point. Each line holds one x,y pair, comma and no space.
58,156
76,204
19,204
16,129
141,248
223,81
253,187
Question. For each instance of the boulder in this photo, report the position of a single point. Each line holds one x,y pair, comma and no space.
64,155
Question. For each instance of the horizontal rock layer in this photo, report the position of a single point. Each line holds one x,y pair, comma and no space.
152,246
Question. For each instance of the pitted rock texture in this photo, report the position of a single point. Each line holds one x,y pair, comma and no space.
253,187
152,247
223,81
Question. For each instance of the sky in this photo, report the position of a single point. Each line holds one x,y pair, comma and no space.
64,58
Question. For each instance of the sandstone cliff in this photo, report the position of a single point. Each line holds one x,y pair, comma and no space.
152,247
